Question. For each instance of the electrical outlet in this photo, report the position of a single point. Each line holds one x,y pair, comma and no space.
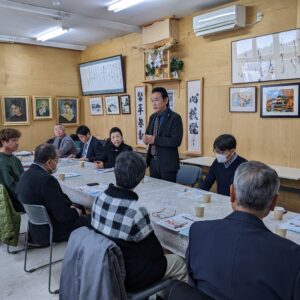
259,16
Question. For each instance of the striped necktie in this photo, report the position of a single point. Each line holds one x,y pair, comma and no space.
155,133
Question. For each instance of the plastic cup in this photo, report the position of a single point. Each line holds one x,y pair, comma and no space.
280,231
199,211
81,164
206,198
62,176
278,213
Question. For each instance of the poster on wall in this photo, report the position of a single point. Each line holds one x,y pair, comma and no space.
194,97
171,95
140,114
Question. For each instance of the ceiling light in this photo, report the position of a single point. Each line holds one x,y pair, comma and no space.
122,4
51,34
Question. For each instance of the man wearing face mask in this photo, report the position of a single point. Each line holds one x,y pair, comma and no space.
223,168
38,186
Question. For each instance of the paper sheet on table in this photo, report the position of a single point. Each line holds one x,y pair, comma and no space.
66,160
104,170
22,153
95,190
178,222
293,224
190,193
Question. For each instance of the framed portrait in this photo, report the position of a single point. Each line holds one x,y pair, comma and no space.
125,104
279,101
42,107
195,107
140,114
96,106
15,110
242,99
112,105
171,95
68,111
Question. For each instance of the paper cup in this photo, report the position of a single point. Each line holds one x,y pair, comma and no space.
278,213
199,211
81,164
206,198
280,231
62,176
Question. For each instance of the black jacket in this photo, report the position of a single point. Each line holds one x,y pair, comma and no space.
95,149
168,140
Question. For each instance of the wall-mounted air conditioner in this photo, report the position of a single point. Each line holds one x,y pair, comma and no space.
227,18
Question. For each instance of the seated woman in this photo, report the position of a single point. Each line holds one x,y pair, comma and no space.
118,215
112,149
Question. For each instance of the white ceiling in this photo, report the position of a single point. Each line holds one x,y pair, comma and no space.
88,20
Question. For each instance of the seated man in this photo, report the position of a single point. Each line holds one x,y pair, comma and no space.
238,257
10,166
38,186
92,147
63,143
223,168
119,216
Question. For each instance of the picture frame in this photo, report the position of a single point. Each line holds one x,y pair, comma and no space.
171,96
15,110
68,111
280,100
242,99
268,57
140,114
42,108
112,105
125,104
195,116
96,106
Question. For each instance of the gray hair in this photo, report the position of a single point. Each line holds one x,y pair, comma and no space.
44,152
130,169
255,184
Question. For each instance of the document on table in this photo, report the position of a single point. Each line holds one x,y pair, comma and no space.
190,193
22,153
101,171
94,190
293,225
178,222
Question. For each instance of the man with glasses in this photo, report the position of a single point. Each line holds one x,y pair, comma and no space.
38,186
223,168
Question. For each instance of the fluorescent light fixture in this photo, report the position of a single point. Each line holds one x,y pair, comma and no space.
122,4
51,34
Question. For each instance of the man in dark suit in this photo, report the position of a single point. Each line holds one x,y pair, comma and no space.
91,147
238,257
38,186
163,135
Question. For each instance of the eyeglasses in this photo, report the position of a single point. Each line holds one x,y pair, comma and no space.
163,214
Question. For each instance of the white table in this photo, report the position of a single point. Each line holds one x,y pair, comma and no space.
155,195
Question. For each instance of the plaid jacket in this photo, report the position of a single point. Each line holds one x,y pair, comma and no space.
117,214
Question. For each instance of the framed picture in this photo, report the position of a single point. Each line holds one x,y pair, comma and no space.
195,104
140,114
112,105
171,95
96,106
125,104
281,100
68,111
266,58
15,110
242,99
42,107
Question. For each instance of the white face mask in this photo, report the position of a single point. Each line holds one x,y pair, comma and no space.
221,158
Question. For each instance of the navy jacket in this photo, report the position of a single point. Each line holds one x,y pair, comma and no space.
238,258
168,140
95,149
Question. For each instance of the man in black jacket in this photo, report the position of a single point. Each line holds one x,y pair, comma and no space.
38,186
163,135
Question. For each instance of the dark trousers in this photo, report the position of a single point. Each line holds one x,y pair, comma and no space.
157,172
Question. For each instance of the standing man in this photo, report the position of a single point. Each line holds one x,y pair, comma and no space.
64,144
163,135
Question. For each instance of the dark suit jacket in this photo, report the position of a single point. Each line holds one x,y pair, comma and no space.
95,149
36,186
167,142
238,258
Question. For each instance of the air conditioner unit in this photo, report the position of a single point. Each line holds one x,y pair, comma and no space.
227,18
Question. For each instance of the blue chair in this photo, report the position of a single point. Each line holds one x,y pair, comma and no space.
188,175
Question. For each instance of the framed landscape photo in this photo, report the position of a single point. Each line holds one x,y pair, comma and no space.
96,106
112,105
242,99
280,101
42,107
68,111
15,110
125,104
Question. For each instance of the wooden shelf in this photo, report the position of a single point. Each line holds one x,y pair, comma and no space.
153,81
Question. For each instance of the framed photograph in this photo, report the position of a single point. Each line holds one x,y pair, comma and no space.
140,114
112,105
96,106
15,110
266,58
195,120
42,107
280,101
68,111
125,104
171,95
242,99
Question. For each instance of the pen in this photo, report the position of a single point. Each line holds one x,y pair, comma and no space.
187,218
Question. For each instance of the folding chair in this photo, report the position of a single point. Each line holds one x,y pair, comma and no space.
188,175
37,215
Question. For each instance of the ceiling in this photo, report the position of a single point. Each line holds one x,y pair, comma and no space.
89,20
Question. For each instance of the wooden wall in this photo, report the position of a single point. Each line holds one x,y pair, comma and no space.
27,70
